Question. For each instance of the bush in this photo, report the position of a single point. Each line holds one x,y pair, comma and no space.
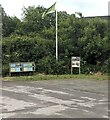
49,65
42,52
5,70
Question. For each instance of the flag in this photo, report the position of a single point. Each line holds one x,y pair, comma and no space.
79,14
49,10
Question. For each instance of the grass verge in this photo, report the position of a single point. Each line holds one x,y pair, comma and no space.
56,77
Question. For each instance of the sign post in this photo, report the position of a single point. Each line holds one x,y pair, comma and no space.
75,63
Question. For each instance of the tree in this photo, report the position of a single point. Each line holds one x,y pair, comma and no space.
33,39
10,24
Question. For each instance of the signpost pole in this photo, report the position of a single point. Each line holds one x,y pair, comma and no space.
79,66
79,69
71,66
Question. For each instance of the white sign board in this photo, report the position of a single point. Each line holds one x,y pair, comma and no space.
75,63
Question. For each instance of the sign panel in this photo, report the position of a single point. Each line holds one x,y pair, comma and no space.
12,70
75,63
28,69
22,67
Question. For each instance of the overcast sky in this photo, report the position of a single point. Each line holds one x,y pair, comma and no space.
87,7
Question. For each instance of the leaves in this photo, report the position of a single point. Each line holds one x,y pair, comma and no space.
33,39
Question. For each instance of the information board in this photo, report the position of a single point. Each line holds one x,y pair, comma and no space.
22,67
75,63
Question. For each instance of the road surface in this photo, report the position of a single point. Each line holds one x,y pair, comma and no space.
55,99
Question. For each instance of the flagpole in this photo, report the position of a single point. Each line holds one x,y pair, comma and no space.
56,38
48,11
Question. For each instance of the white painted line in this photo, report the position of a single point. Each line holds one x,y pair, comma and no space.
7,115
50,110
88,98
105,116
13,104
52,99
53,91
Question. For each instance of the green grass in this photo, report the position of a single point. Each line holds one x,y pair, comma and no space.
56,77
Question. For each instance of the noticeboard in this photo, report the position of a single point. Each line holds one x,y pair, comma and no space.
75,63
22,67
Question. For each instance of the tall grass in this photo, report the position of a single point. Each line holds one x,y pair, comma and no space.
57,77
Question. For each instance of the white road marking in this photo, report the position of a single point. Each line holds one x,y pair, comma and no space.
86,111
88,98
7,115
77,100
11,104
89,104
52,99
26,89
53,91
105,116
50,110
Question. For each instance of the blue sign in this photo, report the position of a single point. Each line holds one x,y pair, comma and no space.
22,67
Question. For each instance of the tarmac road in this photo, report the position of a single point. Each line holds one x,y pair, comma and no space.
55,99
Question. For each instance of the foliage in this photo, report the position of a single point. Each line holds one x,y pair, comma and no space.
33,39
10,24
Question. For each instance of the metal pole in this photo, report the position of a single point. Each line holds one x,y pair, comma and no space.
0,41
56,38
79,66
71,67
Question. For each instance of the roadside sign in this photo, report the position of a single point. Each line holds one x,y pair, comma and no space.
75,63
22,67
